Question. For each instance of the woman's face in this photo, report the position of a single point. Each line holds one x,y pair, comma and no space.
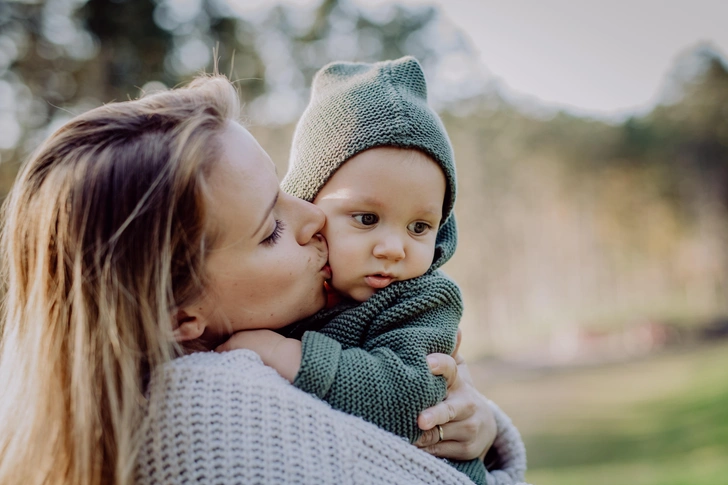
267,266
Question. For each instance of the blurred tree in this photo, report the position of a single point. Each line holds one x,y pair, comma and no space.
132,46
697,124
114,48
43,50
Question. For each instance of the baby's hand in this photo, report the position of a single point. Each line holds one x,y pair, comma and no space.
277,351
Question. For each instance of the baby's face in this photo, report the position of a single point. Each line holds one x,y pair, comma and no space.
383,208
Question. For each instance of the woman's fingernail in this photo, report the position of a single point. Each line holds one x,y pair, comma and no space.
427,419
432,362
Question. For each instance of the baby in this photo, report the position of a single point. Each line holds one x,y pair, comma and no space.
373,155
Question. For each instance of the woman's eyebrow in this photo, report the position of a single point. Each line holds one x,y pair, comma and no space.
267,213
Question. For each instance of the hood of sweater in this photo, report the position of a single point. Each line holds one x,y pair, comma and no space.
358,106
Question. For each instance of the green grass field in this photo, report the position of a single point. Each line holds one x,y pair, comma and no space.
661,420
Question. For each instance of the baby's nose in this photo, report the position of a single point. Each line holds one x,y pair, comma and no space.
390,248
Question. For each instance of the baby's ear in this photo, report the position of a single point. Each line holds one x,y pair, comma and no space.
186,327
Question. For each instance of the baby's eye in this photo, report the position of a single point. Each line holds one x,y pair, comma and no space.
418,227
366,219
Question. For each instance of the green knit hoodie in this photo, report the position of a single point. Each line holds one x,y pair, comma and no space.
369,359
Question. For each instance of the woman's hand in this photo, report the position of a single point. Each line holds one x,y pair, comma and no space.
467,422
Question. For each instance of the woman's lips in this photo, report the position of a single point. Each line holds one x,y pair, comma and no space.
378,281
327,271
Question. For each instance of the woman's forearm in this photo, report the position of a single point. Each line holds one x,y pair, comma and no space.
506,463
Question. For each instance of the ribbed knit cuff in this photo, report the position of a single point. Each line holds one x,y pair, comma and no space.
319,363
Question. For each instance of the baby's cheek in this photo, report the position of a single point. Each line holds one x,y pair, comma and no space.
422,260
342,251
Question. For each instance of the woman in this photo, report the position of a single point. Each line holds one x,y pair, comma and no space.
146,230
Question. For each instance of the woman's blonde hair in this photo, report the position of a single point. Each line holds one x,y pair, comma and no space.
102,238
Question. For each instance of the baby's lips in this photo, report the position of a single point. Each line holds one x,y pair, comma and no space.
377,281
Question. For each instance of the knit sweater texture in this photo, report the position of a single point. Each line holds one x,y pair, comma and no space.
224,419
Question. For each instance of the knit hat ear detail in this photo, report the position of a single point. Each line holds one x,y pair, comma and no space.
407,77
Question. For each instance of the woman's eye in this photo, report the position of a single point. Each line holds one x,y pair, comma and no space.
366,219
275,235
418,227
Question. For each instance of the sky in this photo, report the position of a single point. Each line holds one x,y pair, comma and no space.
601,58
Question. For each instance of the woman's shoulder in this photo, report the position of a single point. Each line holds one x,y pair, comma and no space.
222,364
194,376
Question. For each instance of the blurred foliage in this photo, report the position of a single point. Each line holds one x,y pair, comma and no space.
64,56
570,222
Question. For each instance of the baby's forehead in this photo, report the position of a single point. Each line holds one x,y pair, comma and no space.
426,201
382,176
391,156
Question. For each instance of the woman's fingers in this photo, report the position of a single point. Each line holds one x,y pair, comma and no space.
441,413
473,431
458,339
457,442
445,366
455,431
454,450
466,419
451,408
432,436
467,422
428,438
468,427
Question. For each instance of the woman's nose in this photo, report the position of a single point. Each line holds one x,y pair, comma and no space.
389,247
310,220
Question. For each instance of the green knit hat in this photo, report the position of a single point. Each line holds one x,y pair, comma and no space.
356,106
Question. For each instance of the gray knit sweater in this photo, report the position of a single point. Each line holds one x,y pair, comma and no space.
224,419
